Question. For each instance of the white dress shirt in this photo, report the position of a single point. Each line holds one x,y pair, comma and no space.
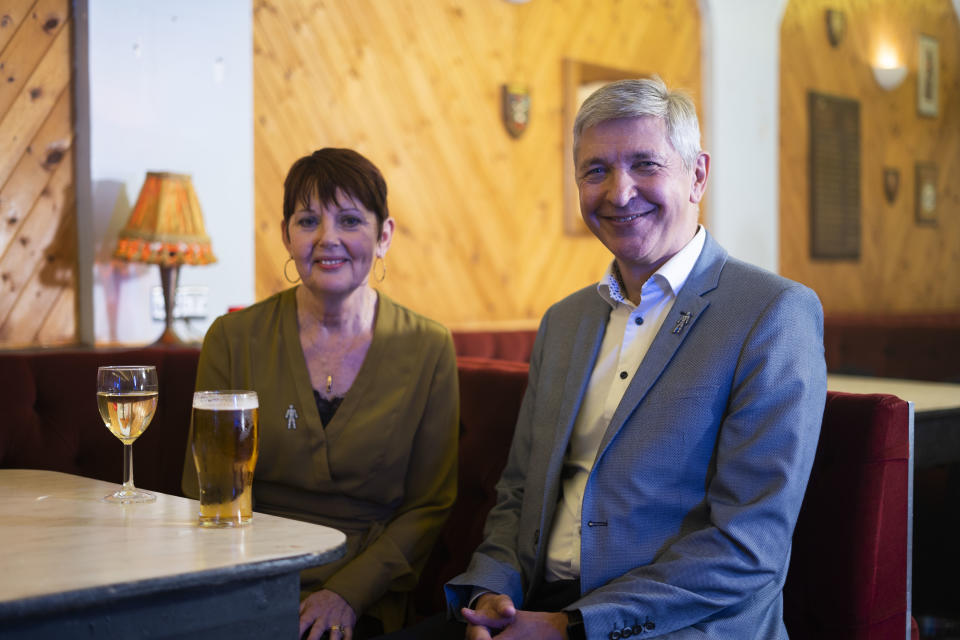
629,333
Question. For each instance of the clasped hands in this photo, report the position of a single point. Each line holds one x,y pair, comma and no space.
495,611
326,610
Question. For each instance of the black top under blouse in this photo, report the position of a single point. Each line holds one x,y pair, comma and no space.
326,408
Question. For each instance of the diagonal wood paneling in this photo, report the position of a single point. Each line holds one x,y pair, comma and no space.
415,86
903,266
11,15
37,205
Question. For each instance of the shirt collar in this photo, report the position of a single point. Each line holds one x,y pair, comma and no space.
673,273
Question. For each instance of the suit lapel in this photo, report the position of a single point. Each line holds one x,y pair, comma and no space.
583,355
583,348
678,324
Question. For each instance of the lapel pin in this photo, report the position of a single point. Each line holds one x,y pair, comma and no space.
682,322
291,415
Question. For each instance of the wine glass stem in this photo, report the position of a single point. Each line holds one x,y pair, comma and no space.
128,467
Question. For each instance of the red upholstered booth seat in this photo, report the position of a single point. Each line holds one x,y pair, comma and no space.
847,575
490,396
513,345
848,572
917,346
52,421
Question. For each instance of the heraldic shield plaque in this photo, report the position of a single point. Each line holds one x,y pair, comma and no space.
891,183
516,108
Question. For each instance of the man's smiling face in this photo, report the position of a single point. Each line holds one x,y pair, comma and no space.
635,194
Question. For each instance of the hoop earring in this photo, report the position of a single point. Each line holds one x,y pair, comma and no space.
383,269
286,277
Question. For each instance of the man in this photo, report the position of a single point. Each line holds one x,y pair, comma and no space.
673,410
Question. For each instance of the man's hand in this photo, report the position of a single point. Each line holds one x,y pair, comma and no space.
493,611
496,611
325,610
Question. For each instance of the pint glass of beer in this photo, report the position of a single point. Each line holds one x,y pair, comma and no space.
225,444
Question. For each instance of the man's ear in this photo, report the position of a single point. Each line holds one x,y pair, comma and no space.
701,169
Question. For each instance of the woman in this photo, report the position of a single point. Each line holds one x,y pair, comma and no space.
358,399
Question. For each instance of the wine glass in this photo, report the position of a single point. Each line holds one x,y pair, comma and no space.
127,399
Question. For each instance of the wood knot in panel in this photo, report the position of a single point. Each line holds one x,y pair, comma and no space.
54,156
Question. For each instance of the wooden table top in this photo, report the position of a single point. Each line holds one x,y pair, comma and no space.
60,542
925,396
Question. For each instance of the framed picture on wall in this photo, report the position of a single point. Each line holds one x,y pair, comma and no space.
580,79
928,76
926,206
834,172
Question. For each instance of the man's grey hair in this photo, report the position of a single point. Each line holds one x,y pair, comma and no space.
642,98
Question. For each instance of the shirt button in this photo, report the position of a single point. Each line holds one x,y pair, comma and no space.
638,320
623,375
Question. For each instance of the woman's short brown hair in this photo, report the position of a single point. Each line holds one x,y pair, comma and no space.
328,169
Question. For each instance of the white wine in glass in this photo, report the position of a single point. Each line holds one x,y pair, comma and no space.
127,399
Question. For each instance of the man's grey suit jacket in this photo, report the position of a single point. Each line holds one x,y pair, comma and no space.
689,509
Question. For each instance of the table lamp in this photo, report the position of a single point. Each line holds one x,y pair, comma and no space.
166,228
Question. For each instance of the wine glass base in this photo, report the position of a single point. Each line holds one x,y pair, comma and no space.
128,496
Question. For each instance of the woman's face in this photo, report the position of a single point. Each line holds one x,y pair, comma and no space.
334,246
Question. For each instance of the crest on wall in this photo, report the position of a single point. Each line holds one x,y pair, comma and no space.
836,26
891,183
515,101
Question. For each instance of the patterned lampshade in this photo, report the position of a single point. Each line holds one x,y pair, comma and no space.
166,225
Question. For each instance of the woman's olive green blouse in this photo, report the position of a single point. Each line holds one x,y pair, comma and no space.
383,471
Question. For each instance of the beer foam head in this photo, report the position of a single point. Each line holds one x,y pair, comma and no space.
223,400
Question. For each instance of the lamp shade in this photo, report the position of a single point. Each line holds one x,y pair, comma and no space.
166,225
889,78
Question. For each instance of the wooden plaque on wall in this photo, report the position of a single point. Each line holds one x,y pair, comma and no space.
834,177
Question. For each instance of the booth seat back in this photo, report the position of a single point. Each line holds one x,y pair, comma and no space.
52,421
513,345
490,395
848,576
916,346
848,573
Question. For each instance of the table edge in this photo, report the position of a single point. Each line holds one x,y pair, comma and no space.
46,604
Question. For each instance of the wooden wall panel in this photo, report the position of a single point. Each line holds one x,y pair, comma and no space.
415,86
903,266
37,204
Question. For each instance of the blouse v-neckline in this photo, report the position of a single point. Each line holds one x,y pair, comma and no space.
361,383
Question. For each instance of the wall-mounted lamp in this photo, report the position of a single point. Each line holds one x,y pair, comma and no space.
890,78
887,71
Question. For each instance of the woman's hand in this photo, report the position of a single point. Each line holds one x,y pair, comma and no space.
325,610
